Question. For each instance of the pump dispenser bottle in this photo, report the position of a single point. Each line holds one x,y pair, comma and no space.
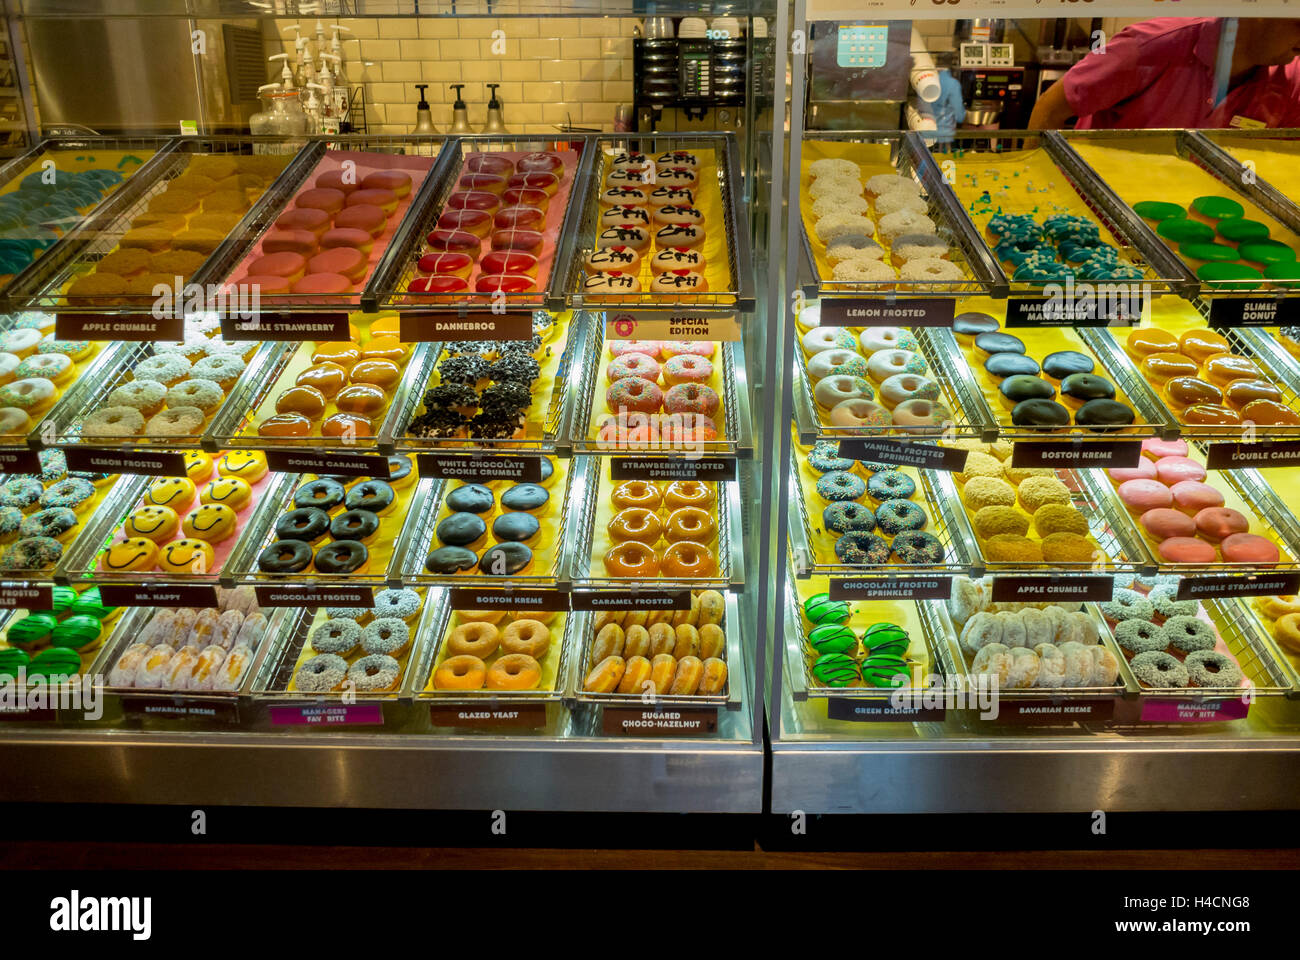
459,113
495,122
423,118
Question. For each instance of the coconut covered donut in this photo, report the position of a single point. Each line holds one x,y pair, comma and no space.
895,225
863,271
833,167
835,225
854,248
930,270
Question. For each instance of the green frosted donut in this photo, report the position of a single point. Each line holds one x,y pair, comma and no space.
55,662
1219,252
1240,230
1284,274
61,599
885,638
78,632
836,670
1230,276
90,604
11,661
1218,208
1266,252
1158,210
1185,231
885,670
820,608
833,638
33,629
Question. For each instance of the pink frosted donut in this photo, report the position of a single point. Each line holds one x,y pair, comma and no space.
1171,470
651,348
634,394
1145,470
1155,448
1163,523
686,428
687,368
694,348
633,365
1249,548
1218,523
1143,495
691,398
1193,496
1186,550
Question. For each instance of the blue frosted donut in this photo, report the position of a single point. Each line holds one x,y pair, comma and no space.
48,523
825,457
31,553
861,548
1189,634
20,492
848,517
1155,668
1014,226
1019,251
1208,668
1074,251
54,465
71,492
875,466
890,485
1042,272
916,547
840,485
1104,270
899,516
1065,226
11,519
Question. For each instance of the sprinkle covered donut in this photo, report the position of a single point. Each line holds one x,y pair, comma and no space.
1208,668
825,457
862,548
691,398
336,636
634,394
1127,605
31,553
386,635
891,485
1189,634
917,547
1155,668
839,485
1140,636
321,673
900,516
71,492
21,492
375,672
845,516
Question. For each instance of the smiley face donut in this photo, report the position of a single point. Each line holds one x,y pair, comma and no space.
134,553
187,556
230,491
174,492
212,522
247,465
153,523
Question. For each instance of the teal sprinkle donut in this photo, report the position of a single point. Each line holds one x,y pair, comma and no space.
1101,270
1207,668
1140,636
1072,251
917,547
20,492
69,348
825,457
900,516
1042,272
48,523
1064,226
890,485
53,465
1189,634
862,548
840,485
32,553
72,493
1155,668
848,517
1019,251
11,519
1162,598
1128,605
856,367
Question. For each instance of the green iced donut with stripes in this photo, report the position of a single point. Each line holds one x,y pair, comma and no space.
833,638
820,608
886,639
836,670
885,670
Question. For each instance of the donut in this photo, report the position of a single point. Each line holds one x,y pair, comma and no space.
918,415
860,413
687,559
1155,668
528,497
506,559
819,339
884,364
631,559
528,637
187,556
461,672
342,557
1186,550
402,604
359,525
900,516
153,522
890,485
309,524
691,398
918,547
373,495
635,523
613,259
388,636
337,636
689,523
1249,548
689,493
634,394
321,673
233,492
1163,523
845,516
840,485
636,493
830,392
375,672
70,492
53,523
827,363
1216,523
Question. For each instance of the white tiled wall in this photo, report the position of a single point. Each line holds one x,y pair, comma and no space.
550,70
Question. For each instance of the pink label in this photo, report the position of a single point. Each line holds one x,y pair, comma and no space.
328,714
1193,711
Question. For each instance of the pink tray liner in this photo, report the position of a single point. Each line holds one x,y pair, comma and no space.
367,163
554,216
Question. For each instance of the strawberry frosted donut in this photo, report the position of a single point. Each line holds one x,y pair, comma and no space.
651,348
1193,496
1186,550
1145,470
691,398
687,368
884,364
1163,523
1249,548
1171,470
694,348
1155,448
635,394
1219,523
1143,495
633,365
680,428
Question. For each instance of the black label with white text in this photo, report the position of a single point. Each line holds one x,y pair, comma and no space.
447,326
1085,589
26,596
146,462
891,588
633,600
905,453
1260,455
1261,585
479,469
1245,312
332,327
471,598
865,312
1071,454
157,595
328,464
19,460
302,595
222,711
136,328
662,468
881,711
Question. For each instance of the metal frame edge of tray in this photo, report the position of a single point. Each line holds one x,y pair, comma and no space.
109,358
727,152
1106,348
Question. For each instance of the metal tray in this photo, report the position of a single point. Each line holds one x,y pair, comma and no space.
971,413
388,287
394,434
1152,416
737,421
109,365
958,542
1264,629
728,698
414,542
740,296
40,288
434,620
225,430
1112,529
911,158
90,392
587,491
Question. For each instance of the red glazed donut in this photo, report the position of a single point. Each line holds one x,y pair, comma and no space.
474,200
477,222
527,196
539,163
454,241
518,216
487,182
489,163
547,182
509,283
509,262
363,216
529,241
445,264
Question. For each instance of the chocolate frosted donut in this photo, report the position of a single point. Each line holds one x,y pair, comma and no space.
1101,414
460,529
448,560
471,498
342,556
505,559
304,523
373,495
354,525
1040,413
1087,386
525,496
1061,364
999,343
519,527
285,556
1011,365
973,324
1020,387
325,494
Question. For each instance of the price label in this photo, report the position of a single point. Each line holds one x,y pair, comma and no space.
328,715
479,469
923,456
666,722
146,462
633,600
135,327
303,595
709,469
868,312
446,326
1073,589
328,464
287,326
670,325
157,595
1071,454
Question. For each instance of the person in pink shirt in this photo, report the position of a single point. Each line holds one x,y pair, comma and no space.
1160,73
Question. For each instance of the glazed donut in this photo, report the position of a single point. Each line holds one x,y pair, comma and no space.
477,639
637,493
820,339
689,493
687,677
460,673
1287,632
631,559
686,641
635,524
713,641
529,637
687,559
514,671
189,556
690,523
153,522
609,642
605,676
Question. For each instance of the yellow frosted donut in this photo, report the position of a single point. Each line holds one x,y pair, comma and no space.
212,522
188,556
248,465
134,553
153,523
231,491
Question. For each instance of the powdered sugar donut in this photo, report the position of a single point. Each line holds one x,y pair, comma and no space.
863,271
633,365
833,167
824,206
651,348
835,186
859,413
832,391
884,364
835,225
886,338
687,368
819,339
907,386
919,246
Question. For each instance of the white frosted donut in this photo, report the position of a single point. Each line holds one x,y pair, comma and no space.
1105,668
886,338
8,364
859,413
1065,628
864,271
966,600
13,420
884,364
919,246
20,341
835,186
1051,665
838,388
825,206
1038,629
897,200
833,167
1087,628
835,225
827,338
981,630
1078,663
921,416
854,248
930,270
827,362
1024,668
908,386
883,183
993,660
905,221
1013,628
